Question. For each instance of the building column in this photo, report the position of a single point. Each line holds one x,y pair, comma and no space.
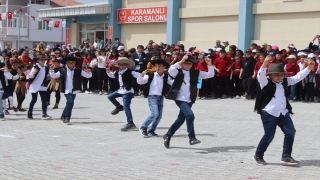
246,24
115,4
173,22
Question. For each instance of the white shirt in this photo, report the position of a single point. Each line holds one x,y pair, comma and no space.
156,84
277,105
301,66
69,79
123,90
93,62
37,85
184,92
102,61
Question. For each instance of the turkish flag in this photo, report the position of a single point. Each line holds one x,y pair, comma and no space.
20,9
9,15
0,16
57,24
34,18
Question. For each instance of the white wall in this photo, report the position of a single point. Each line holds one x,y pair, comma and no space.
53,35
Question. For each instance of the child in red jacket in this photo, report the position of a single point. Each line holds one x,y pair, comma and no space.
234,76
292,68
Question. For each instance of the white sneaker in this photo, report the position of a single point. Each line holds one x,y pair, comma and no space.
87,92
237,97
90,92
46,116
100,93
105,93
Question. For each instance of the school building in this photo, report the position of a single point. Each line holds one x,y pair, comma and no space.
193,22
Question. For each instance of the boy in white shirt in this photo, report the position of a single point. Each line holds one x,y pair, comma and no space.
274,108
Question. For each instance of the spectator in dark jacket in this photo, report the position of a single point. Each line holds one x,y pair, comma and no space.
140,59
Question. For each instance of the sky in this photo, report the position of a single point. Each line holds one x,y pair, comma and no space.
91,1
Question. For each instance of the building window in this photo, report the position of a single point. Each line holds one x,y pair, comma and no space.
43,25
37,1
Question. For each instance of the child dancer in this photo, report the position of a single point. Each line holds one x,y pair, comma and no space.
10,75
274,108
184,92
21,89
123,82
54,84
38,84
155,85
70,78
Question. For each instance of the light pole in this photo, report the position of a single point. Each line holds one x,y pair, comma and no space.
19,24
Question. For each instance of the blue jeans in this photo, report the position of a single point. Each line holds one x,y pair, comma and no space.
69,105
185,114
126,103
43,96
156,106
270,124
1,107
292,91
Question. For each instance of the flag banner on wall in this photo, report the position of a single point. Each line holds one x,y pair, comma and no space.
50,24
20,9
0,16
63,24
57,24
4,16
9,15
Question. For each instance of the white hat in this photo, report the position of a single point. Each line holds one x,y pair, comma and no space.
311,55
302,54
120,48
291,57
214,49
225,41
168,53
254,50
218,49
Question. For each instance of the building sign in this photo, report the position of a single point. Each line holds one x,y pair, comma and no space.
110,32
142,15
67,36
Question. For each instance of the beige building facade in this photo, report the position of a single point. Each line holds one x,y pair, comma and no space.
201,22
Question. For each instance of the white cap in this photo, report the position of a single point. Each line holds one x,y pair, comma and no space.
225,41
120,48
214,49
302,54
254,50
168,53
218,49
311,55
291,57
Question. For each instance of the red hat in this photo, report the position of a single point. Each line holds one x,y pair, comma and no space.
177,48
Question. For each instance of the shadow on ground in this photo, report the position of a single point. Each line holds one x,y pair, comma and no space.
219,149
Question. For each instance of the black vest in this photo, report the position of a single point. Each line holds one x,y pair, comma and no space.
267,93
146,87
44,82
77,78
3,80
127,80
178,80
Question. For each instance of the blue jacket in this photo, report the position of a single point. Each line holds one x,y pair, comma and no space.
141,65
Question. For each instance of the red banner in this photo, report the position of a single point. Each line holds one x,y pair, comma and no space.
67,36
142,15
110,32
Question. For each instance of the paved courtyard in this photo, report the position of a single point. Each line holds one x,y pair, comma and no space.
93,147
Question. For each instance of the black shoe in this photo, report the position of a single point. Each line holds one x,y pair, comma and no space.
129,127
66,120
55,106
1,116
30,115
166,141
143,132
117,110
289,161
62,118
46,117
194,141
22,110
152,134
259,160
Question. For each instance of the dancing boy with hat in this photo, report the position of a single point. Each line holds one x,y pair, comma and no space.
184,92
274,108
123,82
38,84
154,86
70,82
